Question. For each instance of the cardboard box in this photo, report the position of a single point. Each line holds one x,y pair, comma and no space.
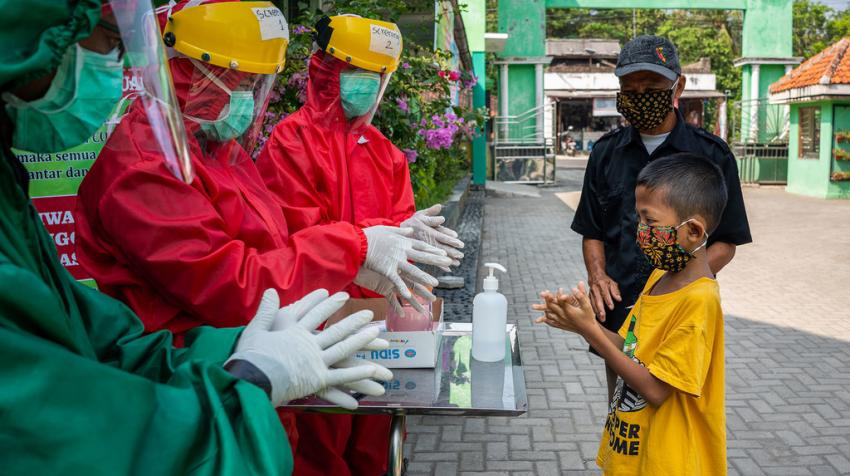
408,350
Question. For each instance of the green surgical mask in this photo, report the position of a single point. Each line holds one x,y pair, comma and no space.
235,122
81,96
235,119
358,92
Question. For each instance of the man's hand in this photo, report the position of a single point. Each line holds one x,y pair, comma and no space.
603,292
571,312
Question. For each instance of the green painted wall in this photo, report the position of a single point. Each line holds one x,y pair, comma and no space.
746,81
474,21
522,98
809,176
767,29
525,23
841,123
479,144
769,120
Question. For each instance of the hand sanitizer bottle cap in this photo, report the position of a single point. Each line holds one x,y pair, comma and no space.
491,283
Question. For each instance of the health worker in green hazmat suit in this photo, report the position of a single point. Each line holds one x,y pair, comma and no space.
82,389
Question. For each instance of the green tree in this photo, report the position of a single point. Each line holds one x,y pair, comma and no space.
811,27
839,26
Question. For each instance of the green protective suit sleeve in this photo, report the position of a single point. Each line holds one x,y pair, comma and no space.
83,391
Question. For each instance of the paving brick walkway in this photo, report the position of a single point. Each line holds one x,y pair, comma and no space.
787,300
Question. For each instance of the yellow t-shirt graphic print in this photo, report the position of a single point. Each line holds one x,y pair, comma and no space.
679,337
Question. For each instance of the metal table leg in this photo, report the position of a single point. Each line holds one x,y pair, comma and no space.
396,459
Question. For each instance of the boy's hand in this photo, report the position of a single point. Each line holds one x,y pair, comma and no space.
548,317
570,312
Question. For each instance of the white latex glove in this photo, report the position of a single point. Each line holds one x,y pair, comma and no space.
290,315
335,395
373,281
296,361
390,249
342,398
428,227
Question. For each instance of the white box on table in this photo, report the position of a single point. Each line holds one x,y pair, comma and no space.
408,350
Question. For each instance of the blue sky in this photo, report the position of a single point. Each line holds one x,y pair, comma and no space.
836,4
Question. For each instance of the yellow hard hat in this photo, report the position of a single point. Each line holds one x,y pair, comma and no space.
244,36
374,45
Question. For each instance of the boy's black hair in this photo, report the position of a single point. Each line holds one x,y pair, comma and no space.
692,185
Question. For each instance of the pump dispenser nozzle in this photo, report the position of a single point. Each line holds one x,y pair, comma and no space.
491,283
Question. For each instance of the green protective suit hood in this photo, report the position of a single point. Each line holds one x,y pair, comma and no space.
36,33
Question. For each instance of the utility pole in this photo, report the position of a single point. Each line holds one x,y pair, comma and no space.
634,22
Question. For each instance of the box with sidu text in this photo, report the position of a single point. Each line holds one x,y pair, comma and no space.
409,349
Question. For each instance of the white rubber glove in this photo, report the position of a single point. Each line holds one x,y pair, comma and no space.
428,227
342,398
296,361
290,315
390,249
335,395
373,281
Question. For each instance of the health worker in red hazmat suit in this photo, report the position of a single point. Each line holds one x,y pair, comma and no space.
326,164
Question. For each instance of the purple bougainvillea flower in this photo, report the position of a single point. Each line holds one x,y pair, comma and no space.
411,155
402,104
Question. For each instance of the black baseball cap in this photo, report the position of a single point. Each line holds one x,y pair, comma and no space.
649,53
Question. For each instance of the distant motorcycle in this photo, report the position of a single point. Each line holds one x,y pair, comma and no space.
569,142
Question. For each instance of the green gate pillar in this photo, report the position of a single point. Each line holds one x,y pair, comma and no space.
767,56
474,20
521,64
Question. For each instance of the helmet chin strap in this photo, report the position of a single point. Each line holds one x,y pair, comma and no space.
210,76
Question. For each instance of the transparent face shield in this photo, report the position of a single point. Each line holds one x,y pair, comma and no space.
145,55
357,91
226,105
361,92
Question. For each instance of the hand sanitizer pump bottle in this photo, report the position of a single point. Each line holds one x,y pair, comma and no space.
489,317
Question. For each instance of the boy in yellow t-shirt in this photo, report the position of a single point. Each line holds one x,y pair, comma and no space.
667,416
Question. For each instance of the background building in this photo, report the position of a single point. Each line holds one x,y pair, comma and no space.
581,87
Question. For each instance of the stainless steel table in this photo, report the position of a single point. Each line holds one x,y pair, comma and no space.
458,385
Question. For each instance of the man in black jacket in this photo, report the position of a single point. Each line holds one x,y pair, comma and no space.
651,83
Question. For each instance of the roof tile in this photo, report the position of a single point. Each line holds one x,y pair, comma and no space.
830,66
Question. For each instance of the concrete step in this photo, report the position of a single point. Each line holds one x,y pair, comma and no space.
511,190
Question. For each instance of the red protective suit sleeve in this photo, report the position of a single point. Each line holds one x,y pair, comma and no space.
174,236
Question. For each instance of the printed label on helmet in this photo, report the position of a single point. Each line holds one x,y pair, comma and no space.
272,23
385,41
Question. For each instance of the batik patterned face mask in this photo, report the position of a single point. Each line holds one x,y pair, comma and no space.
661,247
646,110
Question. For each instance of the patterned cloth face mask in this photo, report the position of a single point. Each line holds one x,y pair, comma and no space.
646,110
660,245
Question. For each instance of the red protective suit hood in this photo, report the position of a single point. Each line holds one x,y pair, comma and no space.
323,99
206,100
198,96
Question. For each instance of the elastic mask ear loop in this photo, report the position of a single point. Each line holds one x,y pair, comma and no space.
704,232
675,83
113,121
